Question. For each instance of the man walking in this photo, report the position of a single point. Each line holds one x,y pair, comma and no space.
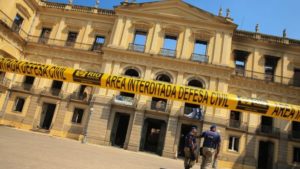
211,146
189,149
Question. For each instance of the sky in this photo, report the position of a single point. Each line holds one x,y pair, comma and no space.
272,15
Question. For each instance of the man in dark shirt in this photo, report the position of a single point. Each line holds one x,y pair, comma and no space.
189,148
211,146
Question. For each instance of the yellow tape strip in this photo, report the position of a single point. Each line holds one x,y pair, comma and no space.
154,88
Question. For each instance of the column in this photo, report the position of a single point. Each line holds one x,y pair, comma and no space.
221,115
169,146
226,49
106,68
135,135
117,32
217,48
115,71
97,126
30,114
187,45
126,32
87,32
154,49
61,26
58,122
149,39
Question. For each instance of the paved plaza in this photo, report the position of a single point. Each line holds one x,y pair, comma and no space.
28,150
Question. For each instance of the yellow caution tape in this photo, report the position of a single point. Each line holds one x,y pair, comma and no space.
154,88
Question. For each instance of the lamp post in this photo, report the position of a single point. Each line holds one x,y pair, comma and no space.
84,140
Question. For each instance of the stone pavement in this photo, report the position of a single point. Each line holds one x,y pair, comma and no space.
27,150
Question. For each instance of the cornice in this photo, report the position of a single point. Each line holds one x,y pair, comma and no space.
177,65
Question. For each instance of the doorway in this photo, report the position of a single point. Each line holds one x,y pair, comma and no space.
47,115
119,130
265,156
153,136
185,129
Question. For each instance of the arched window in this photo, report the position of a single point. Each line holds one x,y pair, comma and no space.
132,72
196,83
127,98
163,78
194,111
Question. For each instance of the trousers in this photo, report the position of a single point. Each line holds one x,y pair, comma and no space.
207,158
189,158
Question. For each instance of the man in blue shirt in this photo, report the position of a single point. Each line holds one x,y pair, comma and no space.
189,148
211,146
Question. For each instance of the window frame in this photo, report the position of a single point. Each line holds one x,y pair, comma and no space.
231,148
75,122
16,103
294,148
198,41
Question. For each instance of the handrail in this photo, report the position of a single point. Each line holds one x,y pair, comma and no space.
124,100
196,113
79,96
136,47
199,58
267,77
158,105
168,52
65,43
52,92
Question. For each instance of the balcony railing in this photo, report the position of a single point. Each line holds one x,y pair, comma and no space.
124,100
65,43
136,47
168,52
160,106
199,58
195,113
22,86
52,92
267,77
236,124
10,24
268,130
79,96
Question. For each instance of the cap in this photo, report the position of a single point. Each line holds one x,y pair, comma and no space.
213,126
194,128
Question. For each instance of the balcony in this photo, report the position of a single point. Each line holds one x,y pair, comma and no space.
9,24
267,77
80,97
52,92
124,100
65,43
168,52
294,135
268,130
237,124
158,106
136,47
199,58
192,113
20,86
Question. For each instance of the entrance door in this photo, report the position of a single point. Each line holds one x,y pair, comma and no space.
265,156
153,136
47,115
119,130
185,129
